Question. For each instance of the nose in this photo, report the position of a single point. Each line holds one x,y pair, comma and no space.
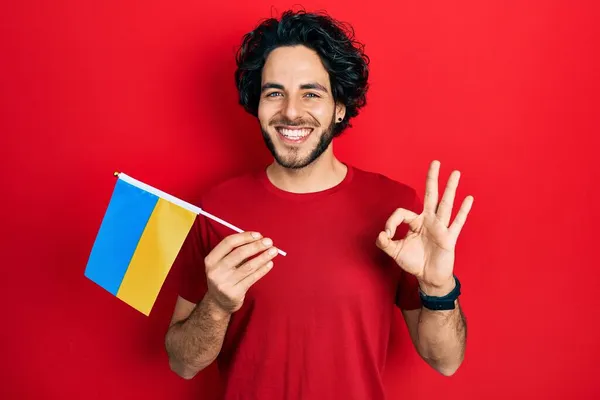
291,108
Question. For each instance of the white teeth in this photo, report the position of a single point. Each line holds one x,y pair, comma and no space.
294,133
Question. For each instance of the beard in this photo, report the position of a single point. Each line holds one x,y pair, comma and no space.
293,160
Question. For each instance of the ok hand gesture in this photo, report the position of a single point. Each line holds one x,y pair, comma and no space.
427,250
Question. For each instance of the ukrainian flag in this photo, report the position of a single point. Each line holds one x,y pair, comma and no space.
141,233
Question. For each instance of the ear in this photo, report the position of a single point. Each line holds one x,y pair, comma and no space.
340,112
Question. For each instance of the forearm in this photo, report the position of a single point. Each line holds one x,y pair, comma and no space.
194,343
442,338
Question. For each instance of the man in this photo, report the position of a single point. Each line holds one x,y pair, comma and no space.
314,324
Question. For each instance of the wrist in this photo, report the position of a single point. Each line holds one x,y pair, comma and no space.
215,310
438,290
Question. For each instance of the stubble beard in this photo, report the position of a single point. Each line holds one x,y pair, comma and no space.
292,160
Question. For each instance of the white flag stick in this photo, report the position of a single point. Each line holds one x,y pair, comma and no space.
179,202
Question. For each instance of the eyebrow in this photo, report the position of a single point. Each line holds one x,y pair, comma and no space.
306,86
270,85
314,86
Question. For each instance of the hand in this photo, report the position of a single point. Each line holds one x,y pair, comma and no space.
427,250
234,265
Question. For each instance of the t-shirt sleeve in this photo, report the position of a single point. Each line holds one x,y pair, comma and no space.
190,261
407,294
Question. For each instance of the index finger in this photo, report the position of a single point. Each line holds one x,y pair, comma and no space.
229,243
430,202
398,217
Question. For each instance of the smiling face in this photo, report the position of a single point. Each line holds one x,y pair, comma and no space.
297,112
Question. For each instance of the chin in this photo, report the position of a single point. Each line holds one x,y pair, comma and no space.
292,158
293,162
295,150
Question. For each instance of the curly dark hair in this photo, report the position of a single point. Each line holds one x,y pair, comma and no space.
343,57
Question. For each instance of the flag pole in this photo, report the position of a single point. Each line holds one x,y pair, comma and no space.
180,203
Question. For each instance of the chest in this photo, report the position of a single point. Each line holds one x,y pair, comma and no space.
332,262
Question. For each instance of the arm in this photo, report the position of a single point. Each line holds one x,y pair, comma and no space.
196,333
195,336
427,252
438,336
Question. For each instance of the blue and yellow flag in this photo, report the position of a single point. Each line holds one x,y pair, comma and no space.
141,234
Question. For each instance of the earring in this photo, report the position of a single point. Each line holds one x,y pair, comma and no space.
339,120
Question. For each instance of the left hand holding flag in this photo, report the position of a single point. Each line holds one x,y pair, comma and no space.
427,250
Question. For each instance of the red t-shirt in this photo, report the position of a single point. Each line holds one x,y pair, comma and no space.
317,325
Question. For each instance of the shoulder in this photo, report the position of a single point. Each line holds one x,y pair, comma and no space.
234,187
377,182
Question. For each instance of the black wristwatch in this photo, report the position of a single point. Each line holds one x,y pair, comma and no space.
441,303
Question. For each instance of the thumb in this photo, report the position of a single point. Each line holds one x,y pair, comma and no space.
389,246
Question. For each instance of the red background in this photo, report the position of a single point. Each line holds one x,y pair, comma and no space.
505,91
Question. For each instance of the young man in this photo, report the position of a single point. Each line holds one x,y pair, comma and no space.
314,324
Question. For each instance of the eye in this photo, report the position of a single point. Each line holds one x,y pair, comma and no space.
312,95
273,94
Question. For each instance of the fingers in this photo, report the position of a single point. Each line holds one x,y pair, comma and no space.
461,217
399,216
251,266
254,277
444,210
228,244
431,187
389,246
235,264
245,252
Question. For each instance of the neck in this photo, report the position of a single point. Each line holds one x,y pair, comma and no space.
324,173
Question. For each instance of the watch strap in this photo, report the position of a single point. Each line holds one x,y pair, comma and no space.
438,303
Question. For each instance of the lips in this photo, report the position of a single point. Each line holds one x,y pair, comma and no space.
294,134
